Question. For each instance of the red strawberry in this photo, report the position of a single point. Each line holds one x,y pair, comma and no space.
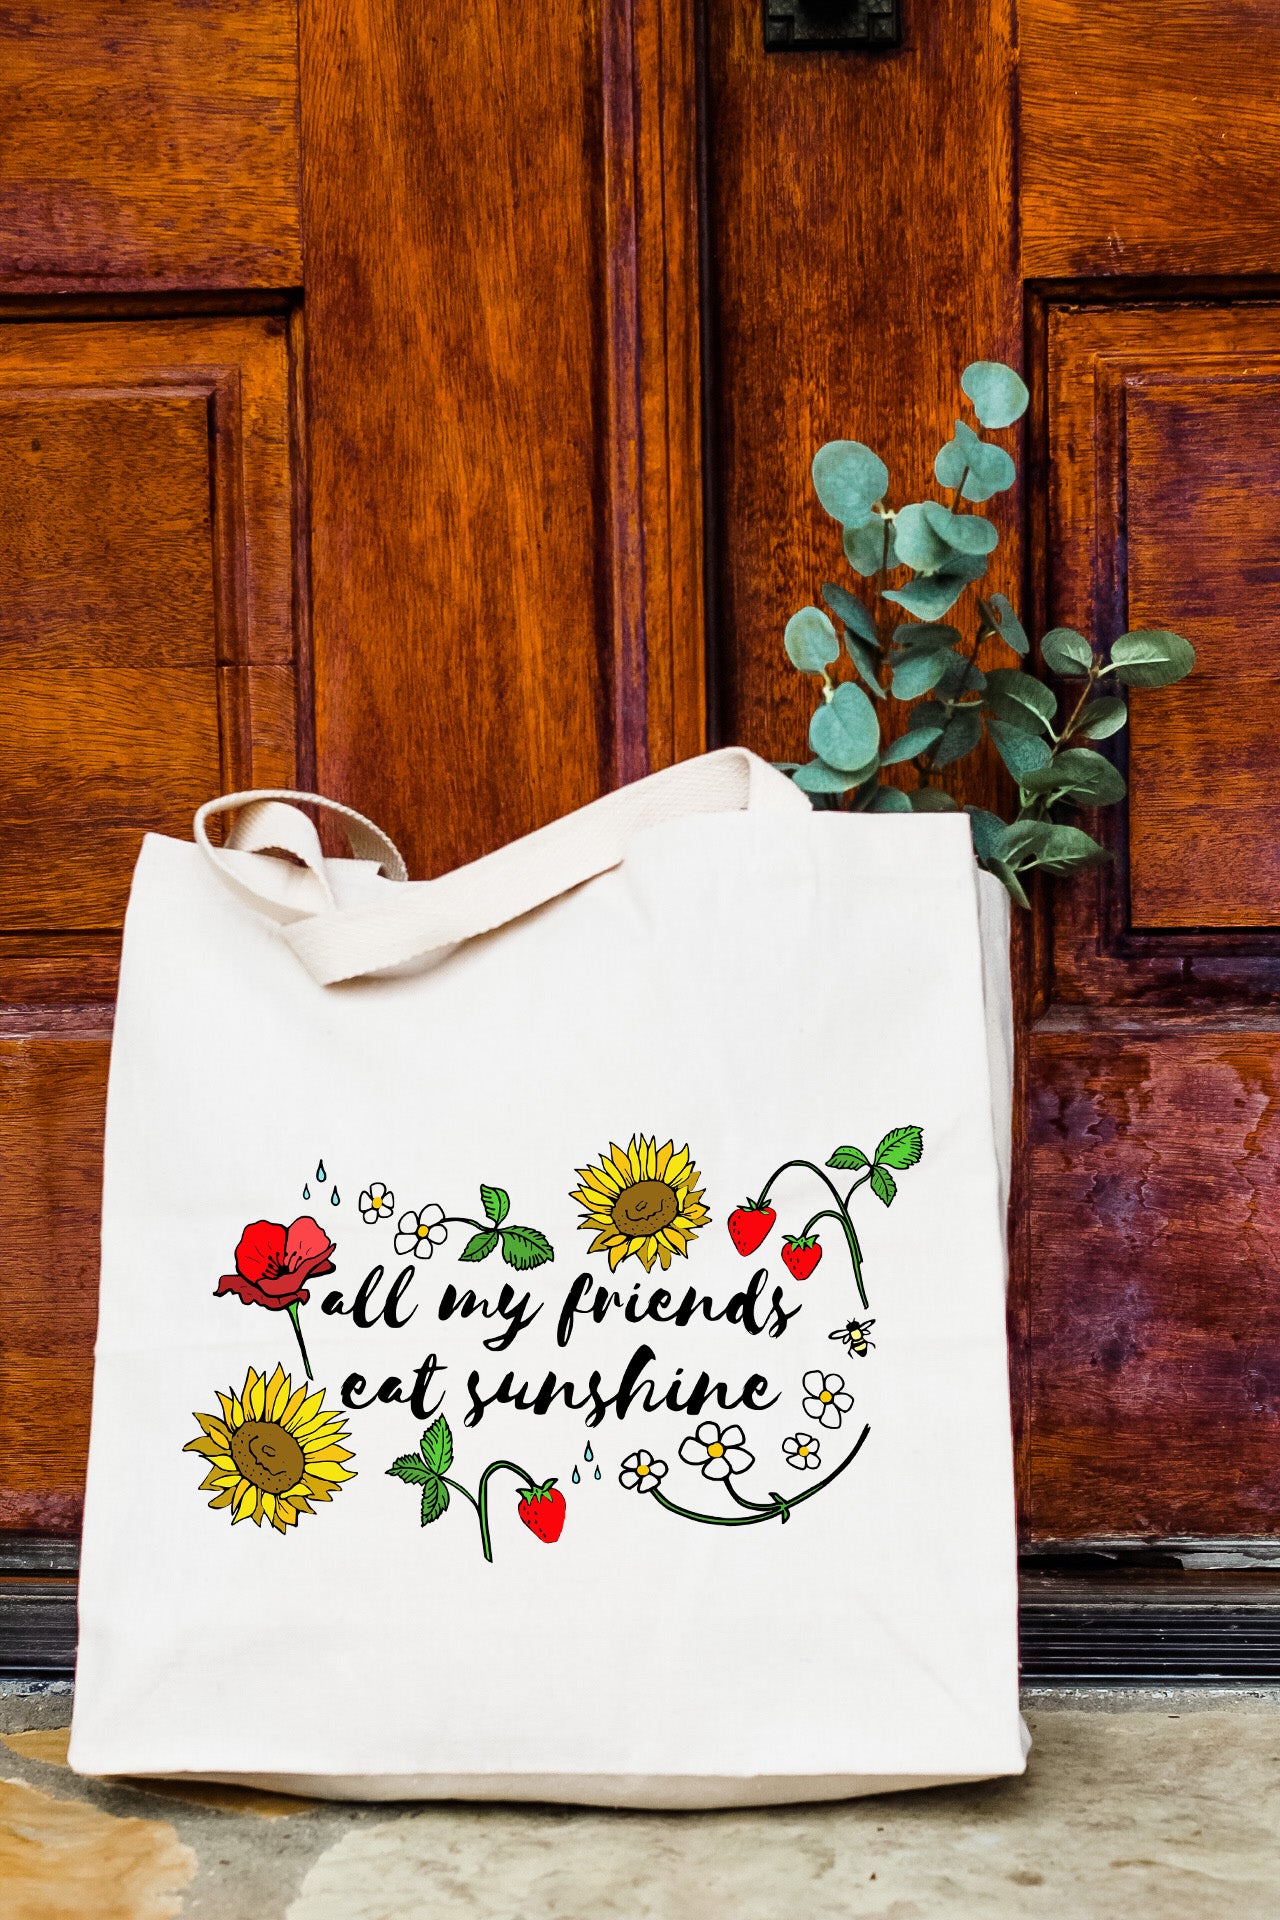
801,1255
542,1510
749,1224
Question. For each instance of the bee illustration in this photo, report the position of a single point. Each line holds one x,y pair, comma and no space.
854,1336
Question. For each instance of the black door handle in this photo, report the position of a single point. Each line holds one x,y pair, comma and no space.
809,26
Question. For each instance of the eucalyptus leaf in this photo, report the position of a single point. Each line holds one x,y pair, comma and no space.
889,800
810,640
960,676
847,607
998,394
918,672
845,731
864,796
960,736
1079,774
1152,657
930,713
868,548
849,479
1057,849
925,636
935,594
1008,879
918,543
962,532
984,468
818,777
867,660
1100,718
988,832
1067,652
1000,614
931,800
1032,695
908,745
1022,752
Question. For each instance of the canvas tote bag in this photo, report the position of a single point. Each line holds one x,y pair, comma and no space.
552,1339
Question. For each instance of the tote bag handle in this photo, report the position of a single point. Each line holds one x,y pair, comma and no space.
337,944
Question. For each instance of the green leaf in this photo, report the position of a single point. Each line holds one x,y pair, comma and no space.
864,796
918,672
998,611
1152,657
408,1467
988,832
818,777
1080,774
960,736
931,800
847,607
437,1446
1067,652
845,731
1022,752
1008,879
849,479
525,1247
1100,718
495,1202
959,676
1010,684
962,532
848,1159
889,800
867,660
900,1148
930,713
918,544
865,546
1057,849
435,1500
986,469
935,594
925,636
810,640
883,1185
479,1246
998,394
908,745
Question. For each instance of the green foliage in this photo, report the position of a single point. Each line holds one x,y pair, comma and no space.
924,557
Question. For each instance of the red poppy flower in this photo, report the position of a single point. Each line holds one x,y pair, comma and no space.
272,1265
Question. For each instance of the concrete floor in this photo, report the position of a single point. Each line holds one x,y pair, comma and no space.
1142,1806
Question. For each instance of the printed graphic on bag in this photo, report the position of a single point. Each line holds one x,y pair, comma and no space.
276,1448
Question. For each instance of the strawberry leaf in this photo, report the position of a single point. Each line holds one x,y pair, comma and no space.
525,1247
901,1147
409,1467
437,1446
435,1498
883,1185
848,1158
496,1203
479,1246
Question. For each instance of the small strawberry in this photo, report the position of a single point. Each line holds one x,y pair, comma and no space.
801,1254
542,1510
749,1224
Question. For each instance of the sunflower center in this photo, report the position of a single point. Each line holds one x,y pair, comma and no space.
646,1207
268,1456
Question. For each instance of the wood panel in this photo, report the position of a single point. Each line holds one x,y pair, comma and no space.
1149,140
149,146
861,227
1150,1295
504,510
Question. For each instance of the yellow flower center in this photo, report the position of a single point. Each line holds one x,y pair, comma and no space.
425,1232
715,1450
824,1396
804,1453
641,1469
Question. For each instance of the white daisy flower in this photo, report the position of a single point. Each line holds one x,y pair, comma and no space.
802,1452
825,1399
421,1233
376,1202
642,1472
718,1451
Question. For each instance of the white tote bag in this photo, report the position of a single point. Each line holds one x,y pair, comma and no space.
552,1337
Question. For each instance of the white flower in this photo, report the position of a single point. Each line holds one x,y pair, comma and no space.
825,1398
641,1471
718,1453
802,1451
421,1233
376,1202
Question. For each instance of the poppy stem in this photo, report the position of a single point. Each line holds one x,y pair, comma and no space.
297,1327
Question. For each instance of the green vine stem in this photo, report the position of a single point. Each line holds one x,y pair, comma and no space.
297,1327
480,1501
841,1213
781,1508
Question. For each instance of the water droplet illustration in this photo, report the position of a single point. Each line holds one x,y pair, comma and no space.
320,1172
306,1192
597,1473
577,1478
335,1198
588,1455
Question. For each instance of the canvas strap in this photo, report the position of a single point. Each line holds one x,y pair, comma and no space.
336,943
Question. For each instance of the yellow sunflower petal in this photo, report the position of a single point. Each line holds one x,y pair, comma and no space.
215,1428
617,1254
246,1502
255,1397
224,1499
609,1238
678,1166
295,1402
327,1470
268,1506
277,1393
664,1155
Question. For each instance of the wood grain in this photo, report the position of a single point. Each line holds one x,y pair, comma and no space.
149,146
1148,137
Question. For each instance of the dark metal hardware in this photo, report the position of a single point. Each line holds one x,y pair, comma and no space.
811,26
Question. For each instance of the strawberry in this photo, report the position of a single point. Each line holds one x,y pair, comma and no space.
801,1254
542,1510
749,1224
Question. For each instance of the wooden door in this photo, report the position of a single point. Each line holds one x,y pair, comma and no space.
420,404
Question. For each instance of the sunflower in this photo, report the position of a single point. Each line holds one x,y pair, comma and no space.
642,1199
274,1450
